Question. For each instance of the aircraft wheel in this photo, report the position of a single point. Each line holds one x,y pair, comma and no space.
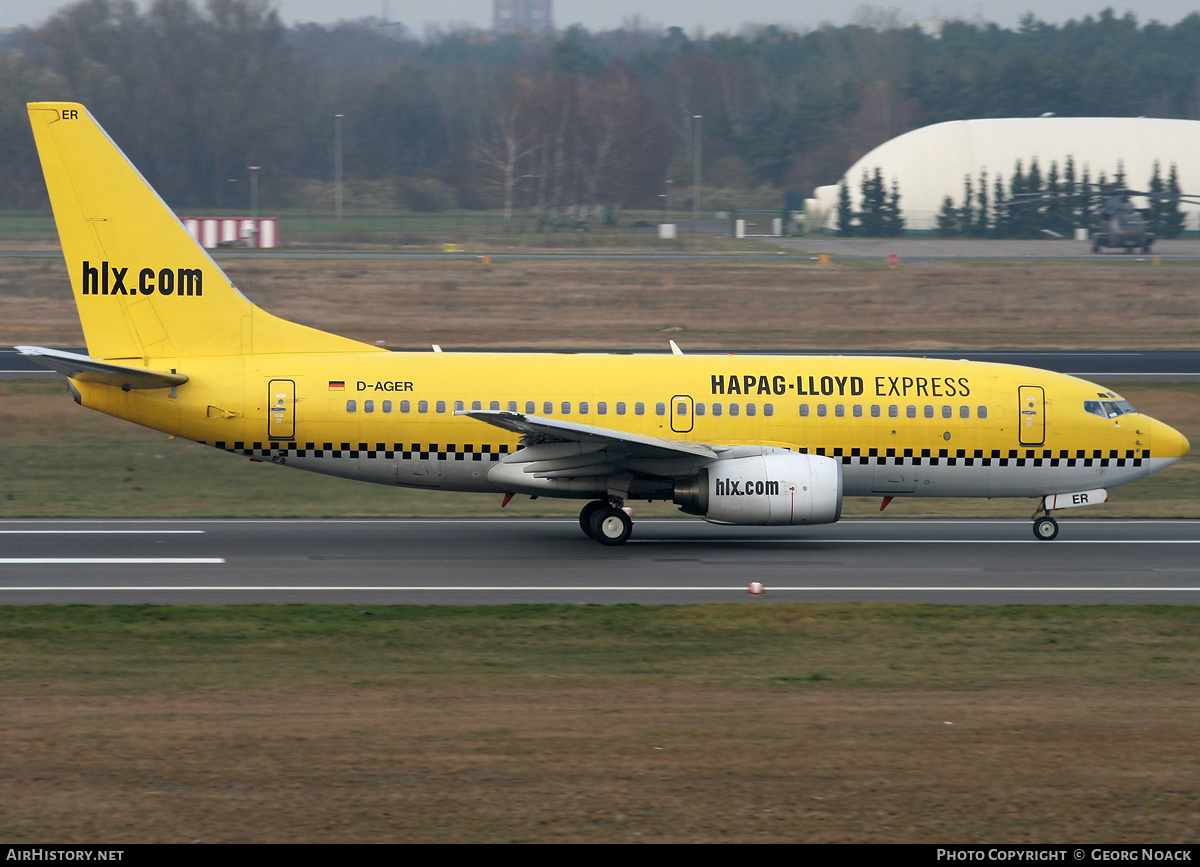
1045,529
585,516
610,525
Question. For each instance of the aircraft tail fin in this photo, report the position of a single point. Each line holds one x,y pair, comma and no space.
143,287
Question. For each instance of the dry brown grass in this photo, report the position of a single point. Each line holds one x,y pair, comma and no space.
615,765
788,303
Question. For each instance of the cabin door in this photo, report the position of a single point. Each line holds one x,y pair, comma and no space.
1032,399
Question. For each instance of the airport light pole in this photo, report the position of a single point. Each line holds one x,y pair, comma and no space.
337,167
254,190
699,119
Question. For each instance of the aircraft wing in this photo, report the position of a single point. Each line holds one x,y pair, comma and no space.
87,369
563,449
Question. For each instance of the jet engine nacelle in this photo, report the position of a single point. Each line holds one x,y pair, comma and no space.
776,487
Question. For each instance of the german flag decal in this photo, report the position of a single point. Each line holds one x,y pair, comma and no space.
337,385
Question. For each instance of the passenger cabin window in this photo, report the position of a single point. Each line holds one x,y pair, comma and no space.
476,405
423,406
751,409
768,409
368,406
458,404
620,407
566,407
699,409
804,410
982,411
512,406
405,406
639,408
964,412
660,408
583,407
716,409
441,406
601,408
547,408
351,406
387,406
734,409
495,404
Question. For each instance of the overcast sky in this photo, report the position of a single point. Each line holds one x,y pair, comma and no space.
712,15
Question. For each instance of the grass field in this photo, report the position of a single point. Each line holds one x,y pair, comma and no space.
779,723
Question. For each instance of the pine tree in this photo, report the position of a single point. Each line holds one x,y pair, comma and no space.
893,219
966,218
871,217
1000,214
1158,204
846,217
1173,221
983,219
1070,188
947,219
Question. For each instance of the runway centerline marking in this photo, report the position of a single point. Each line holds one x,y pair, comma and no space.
103,561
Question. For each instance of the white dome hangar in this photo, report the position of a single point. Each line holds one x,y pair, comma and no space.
930,163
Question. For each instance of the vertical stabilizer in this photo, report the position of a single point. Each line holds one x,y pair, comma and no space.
143,286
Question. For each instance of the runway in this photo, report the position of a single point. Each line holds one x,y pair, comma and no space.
506,561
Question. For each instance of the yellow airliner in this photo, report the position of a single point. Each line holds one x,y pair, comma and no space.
174,346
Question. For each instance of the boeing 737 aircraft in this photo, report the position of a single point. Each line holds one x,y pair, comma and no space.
174,346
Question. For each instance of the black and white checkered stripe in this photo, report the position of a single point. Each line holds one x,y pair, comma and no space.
996,458
386,451
487,452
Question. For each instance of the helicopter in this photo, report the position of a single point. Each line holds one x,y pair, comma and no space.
1122,225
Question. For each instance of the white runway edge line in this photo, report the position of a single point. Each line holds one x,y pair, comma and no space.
110,561
503,519
257,588
806,540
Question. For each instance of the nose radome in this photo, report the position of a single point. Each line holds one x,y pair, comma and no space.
1166,442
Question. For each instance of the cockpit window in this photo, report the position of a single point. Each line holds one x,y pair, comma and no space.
1108,408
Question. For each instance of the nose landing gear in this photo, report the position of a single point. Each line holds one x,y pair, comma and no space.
1045,528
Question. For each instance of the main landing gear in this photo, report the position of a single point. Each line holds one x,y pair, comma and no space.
605,522
1045,528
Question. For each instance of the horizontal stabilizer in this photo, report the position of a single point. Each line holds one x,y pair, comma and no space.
90,370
